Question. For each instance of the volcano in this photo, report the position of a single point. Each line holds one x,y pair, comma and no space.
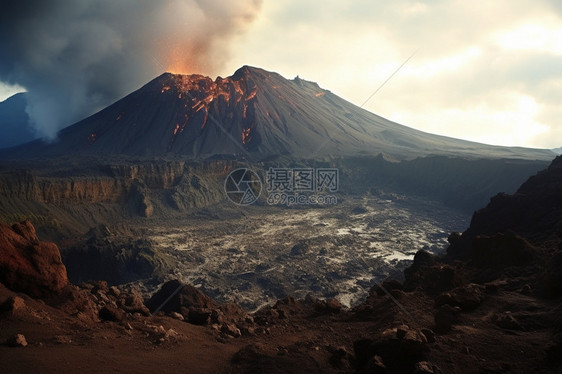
252,113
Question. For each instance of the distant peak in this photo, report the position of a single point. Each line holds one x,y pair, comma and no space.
246,70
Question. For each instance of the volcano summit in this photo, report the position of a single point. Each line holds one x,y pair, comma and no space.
253,112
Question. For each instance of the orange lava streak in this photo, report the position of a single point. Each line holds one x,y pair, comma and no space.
246,135
252,94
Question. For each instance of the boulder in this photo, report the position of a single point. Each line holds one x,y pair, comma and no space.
17,340
13,305
231,330
114,291
299,249
400,349
424,367
176,315
501,250
376,365
199,316
330,306
132,302
445,317
174,294
111,313
28,264
467,297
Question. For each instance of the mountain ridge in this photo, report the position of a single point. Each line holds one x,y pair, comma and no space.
253,113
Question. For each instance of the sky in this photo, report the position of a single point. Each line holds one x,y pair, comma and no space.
487,71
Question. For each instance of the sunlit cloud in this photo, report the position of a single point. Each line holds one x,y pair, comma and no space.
489,73
7,90
532,37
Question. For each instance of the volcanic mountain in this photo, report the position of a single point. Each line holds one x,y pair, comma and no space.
253,112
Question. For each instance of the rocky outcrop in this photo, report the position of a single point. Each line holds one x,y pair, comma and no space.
174,295
139,200
64,200
197,308
523,230
115,261
397,349
534,212
28,264
430,274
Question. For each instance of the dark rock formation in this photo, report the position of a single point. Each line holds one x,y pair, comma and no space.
429,274
501,250
400,349
534,212
197,308
174,295
116,261
111,313
13,305
467,297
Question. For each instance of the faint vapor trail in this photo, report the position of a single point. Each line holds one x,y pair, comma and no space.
389,78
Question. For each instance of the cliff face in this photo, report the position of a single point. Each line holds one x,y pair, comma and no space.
79,194
533,213
78,199
519,231
534,210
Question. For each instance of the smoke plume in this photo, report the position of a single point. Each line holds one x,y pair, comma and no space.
75,57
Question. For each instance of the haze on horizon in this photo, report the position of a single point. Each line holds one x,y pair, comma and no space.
490,73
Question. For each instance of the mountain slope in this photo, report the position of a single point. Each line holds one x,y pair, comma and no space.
251,112
14,122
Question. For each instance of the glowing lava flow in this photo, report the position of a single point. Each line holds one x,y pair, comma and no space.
246,135
198,93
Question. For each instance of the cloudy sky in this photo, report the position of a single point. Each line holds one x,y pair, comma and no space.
490,72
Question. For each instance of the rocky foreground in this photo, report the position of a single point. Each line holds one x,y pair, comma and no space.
491,305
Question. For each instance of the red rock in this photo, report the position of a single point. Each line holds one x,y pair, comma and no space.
424,367
17,340
132,302
29,265
13,304
231,329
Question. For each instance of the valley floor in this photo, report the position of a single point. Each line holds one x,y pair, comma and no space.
258,254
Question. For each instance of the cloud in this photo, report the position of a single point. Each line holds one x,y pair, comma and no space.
473,76
75,57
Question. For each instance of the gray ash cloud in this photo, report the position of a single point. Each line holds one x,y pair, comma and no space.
75,57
